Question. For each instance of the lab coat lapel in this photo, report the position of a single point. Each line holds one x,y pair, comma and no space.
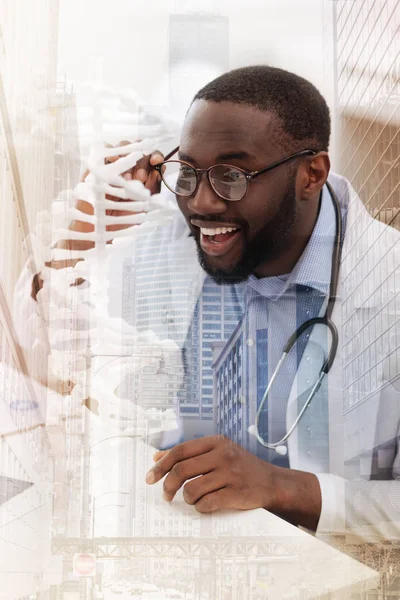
361,232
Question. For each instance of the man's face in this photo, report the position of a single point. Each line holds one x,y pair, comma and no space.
264,219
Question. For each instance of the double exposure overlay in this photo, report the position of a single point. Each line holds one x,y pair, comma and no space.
171,425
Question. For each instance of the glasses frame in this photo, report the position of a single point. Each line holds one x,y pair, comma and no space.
250,175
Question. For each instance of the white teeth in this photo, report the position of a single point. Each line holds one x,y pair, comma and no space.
217,230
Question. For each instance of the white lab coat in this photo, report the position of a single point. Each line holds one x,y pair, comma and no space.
364,439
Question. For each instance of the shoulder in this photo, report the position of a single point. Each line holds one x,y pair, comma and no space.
370,254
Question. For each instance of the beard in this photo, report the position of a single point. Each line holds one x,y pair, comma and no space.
266,245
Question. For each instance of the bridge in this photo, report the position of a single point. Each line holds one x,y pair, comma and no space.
180,547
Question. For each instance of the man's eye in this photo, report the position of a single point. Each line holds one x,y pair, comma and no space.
233,175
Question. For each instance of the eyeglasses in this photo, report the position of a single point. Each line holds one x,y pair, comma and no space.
228,182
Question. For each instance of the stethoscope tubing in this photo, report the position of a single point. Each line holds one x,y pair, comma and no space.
325,320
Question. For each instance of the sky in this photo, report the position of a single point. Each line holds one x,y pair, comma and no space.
126,45
127,41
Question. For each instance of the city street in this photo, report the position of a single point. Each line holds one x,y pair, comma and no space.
126,595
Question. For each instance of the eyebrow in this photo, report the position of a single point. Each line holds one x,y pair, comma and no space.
221,157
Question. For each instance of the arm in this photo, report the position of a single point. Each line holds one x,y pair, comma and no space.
31,301
369,508
228,476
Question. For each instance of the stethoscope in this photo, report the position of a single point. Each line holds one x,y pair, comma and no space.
280,447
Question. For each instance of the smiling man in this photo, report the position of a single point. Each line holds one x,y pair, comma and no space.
250,179
252,219
252,164
300,260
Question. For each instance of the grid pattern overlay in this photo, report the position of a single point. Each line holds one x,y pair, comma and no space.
369,102
367,55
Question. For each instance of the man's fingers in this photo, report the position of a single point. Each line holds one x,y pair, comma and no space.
187,469
194,490
128,174
143,170
153,182
156,157
159,454
218,500
180,452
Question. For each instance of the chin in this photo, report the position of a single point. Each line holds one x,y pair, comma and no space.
222,278
229,275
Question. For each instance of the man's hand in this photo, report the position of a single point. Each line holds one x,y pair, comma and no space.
143,171
226,476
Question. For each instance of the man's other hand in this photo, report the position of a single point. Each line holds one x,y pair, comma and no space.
217,473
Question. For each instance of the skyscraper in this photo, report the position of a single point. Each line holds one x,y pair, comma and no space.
27,76
369,144
215,317
368,108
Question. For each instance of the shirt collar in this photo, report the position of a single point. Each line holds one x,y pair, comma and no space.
314,267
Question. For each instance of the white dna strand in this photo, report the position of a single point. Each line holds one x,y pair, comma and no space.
90,349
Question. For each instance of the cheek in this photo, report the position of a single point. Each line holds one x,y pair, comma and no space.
182,205
264,202
258,212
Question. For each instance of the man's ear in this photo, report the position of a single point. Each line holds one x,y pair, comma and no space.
313,175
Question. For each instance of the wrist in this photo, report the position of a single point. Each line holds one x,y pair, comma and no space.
297,498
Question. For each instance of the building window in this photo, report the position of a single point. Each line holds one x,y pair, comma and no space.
208,326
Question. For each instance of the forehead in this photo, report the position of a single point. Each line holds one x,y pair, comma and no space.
213,129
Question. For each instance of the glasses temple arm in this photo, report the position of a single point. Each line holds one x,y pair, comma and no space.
255,174
168,156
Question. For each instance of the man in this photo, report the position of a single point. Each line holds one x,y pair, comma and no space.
253,118
269,235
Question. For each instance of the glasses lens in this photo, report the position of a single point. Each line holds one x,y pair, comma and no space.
229,182
179,178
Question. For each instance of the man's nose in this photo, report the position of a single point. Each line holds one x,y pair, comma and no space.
205,201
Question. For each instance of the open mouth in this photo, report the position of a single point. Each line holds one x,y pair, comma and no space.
217,241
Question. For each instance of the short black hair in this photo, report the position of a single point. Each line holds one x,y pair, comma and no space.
301,109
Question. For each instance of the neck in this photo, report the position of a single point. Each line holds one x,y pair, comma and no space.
295,245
